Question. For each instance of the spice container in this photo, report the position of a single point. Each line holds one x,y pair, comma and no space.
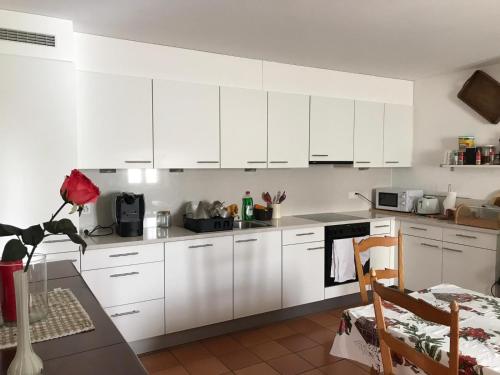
466,141
163,219
487,154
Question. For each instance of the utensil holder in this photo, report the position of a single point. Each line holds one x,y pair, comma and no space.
276,210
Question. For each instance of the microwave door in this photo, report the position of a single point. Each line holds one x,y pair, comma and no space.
388,200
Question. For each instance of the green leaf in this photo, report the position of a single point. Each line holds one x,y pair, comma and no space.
63,226
9,230
32,235
78,240
14,250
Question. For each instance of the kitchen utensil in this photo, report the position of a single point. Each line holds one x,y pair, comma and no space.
163,219
276,207
277,197
201,211
428,205
282,198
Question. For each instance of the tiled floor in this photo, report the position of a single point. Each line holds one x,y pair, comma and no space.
297,346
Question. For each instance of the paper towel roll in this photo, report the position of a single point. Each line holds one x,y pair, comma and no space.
450,201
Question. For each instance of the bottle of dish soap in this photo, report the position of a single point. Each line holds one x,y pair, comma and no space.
247,207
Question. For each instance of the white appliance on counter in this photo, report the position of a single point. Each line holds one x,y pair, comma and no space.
397,199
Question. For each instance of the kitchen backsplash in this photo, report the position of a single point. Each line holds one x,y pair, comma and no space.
321,188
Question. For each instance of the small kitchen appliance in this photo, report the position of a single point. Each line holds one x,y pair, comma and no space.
128,214
397,199
428,205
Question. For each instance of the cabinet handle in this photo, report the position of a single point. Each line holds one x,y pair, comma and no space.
207,162
429,245
392,162
454,250
198,246
124,274
363,162
249,240
316,248
417,228
279,162
138,162
320,155
123,254
256,162
57,241
304,234
383,226
466,236
125,313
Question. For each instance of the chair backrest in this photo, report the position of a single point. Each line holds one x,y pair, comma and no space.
425,311
367,244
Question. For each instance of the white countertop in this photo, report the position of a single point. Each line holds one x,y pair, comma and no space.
175,233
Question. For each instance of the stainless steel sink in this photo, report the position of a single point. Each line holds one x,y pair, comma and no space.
238,224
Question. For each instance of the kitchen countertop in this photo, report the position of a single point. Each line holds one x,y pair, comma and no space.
176,233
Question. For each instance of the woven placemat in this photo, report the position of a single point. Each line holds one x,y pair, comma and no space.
66,317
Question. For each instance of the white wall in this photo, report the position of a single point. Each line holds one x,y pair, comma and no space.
440,117
321,188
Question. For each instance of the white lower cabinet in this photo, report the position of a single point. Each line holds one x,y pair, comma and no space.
257,273
198,283
469,267
127,284
303,269
138,321
423,260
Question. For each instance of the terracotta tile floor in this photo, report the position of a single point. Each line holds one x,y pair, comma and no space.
297,346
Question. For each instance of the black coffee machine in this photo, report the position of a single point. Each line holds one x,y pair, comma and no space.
128,213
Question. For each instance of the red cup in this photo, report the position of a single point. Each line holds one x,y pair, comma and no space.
8,290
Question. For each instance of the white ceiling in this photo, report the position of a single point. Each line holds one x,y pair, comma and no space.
393,38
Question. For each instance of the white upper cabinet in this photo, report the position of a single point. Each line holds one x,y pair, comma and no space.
186,125
114,116
288,130
243,121
332,129
368,134
398,135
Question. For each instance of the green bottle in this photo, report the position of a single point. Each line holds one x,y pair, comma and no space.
247,207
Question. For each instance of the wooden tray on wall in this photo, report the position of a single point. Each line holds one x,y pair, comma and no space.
481,92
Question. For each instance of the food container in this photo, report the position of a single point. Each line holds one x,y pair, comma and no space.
470,156
163,219
487,154
466,141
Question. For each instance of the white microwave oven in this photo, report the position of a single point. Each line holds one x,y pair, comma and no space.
397,199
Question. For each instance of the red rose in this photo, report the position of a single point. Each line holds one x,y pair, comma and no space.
78,189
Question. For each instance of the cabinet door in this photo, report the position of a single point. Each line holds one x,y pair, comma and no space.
198,283
186,125
469,267
423,259
398,135
288,130
368,134
257,273
243,122
303,270
115,123
332,129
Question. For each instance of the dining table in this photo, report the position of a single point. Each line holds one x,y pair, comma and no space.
479,332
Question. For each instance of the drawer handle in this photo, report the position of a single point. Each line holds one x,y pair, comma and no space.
207,162
429,245
137,161
124,274
256,162
392,162
123,254
249,240
316,248
198,246
125,313
454,250
320,155
383,226
466,236
305,234
363,162
279,162
417,228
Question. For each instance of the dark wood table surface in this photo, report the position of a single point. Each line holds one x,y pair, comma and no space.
101,351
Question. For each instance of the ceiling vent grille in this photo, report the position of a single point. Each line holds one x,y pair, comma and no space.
28,37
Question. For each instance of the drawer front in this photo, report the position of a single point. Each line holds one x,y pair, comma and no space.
470,238
422,230
294,236
124,285
122,256
62,245
73,256
380,227
139,320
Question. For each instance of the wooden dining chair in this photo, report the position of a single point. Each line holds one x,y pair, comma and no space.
425,311
388,273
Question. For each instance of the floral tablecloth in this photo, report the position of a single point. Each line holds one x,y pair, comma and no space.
479,332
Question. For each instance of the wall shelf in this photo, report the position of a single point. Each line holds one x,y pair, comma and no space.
452,167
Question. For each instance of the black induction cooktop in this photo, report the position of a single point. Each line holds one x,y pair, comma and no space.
328,217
